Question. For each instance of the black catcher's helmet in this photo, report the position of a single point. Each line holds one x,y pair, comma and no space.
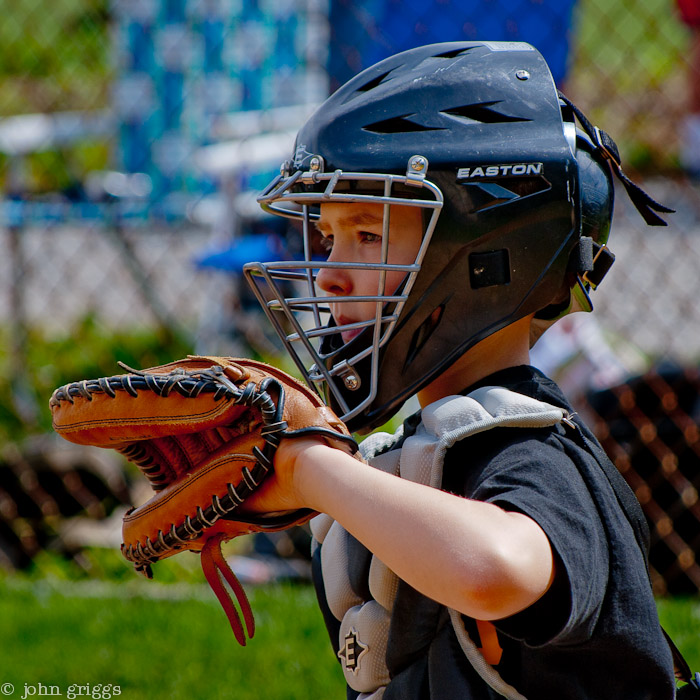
516,201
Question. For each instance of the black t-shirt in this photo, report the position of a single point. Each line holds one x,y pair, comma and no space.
595,633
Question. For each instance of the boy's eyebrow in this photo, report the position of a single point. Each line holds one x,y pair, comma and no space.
350,220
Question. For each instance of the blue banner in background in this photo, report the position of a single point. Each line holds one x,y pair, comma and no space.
183,64
363,33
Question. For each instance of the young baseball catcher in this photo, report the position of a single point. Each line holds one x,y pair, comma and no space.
488,548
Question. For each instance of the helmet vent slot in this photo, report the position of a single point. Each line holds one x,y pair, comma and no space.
455,52
374,83
369,86
397,125
482,114
423,334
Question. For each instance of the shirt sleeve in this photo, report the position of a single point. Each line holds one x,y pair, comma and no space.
532,474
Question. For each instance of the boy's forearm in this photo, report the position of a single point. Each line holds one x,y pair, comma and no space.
469,555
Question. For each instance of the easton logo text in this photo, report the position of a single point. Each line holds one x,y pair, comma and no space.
505,170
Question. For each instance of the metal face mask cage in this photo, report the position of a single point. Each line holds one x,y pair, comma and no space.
303,318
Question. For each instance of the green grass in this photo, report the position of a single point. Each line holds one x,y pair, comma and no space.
157,640
176,645
681,619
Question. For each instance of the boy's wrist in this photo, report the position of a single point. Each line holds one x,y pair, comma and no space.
294,462
305,461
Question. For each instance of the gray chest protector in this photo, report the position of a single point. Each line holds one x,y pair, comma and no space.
364,624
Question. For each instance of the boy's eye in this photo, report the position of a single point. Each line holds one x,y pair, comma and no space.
368,237
327,243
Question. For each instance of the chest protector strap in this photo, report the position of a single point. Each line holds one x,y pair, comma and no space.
364,628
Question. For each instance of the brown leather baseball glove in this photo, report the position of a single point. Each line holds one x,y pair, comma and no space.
204,431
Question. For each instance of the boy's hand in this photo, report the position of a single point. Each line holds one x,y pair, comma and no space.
281,491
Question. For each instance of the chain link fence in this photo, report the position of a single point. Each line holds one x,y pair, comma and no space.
134,134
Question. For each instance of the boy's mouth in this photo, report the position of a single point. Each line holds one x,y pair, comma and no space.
349,334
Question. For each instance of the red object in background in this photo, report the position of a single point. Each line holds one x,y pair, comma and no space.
690,12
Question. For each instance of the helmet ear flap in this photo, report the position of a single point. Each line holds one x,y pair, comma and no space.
597,193
596,198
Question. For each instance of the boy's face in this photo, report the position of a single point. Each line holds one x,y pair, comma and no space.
353,232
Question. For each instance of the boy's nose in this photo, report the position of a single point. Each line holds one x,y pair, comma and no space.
334,281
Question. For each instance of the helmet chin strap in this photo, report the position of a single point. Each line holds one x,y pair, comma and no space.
646,205
591,262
